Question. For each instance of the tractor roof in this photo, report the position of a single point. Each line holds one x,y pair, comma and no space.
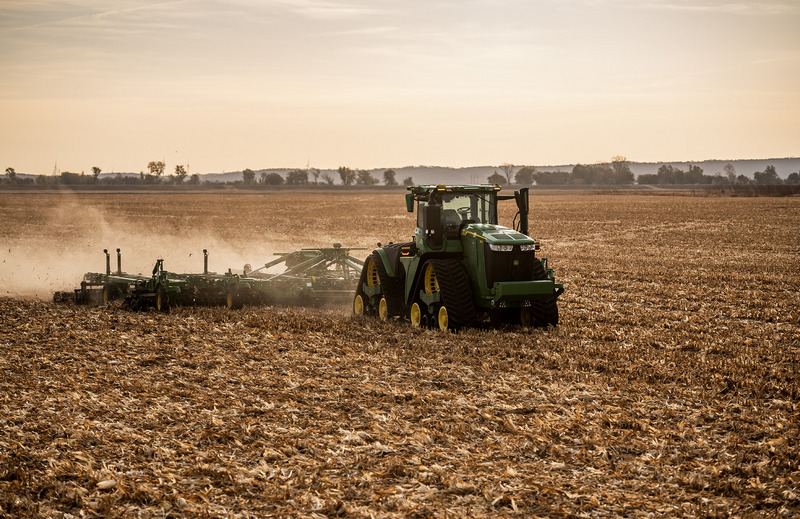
465,188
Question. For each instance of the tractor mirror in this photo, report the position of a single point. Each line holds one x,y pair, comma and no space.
410,202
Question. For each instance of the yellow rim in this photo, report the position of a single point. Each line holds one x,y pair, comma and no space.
229,301
525,316
416,315
444,324
383,310
372,273
358,305
159,302
431,283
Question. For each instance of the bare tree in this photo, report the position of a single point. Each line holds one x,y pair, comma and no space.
508,171
730,172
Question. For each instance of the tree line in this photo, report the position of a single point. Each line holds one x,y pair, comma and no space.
618,172
615,172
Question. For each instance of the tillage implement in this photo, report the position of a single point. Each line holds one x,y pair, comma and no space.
462,267
309,277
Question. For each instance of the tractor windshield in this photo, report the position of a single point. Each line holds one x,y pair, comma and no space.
474,207
463,207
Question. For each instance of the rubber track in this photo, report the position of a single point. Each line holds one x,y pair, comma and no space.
543,311
393,288
456,292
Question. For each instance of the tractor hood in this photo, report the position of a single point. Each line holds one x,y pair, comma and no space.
496,234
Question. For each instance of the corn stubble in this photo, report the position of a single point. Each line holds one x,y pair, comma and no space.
671,388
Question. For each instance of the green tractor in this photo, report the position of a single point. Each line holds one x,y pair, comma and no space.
462,267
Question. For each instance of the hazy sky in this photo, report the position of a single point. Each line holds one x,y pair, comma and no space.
232,84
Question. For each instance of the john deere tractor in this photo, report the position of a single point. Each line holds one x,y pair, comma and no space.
462,268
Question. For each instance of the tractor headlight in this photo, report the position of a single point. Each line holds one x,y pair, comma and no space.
527,248
501,248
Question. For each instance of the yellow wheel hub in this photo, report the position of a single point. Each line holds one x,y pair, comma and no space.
383,310
444,323
416,315
372,273
430,281
358,305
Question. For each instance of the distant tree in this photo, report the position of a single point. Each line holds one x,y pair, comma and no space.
194,180
388,178
248,176
347,175
622,170
524,176
768,176
598,174
156,169
271,179
508,171
365,178
11,174
793,179
180,174
743,180
297,177
315,172
647,179
730,172
96,173
408,181
327,178
552,178
668,174
496,178
694,175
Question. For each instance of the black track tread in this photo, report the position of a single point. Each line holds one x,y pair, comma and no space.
393,288
455,292
543,311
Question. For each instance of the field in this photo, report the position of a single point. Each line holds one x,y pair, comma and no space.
670,388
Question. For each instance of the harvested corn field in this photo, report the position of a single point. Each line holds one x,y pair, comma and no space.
671,386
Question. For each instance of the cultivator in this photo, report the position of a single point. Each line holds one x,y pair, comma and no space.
309,277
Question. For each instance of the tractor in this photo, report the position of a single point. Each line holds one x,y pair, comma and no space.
462,268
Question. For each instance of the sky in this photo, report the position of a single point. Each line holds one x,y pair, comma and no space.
223,85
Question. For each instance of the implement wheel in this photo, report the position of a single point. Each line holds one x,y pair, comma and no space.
162,300
234,299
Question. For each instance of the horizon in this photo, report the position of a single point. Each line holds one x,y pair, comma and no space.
541,167
230,84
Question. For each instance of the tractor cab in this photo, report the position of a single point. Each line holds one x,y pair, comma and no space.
445,213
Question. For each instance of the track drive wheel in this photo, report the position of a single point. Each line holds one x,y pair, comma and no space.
393,289
458,307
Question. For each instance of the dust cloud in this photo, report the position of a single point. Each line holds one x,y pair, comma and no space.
54,253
